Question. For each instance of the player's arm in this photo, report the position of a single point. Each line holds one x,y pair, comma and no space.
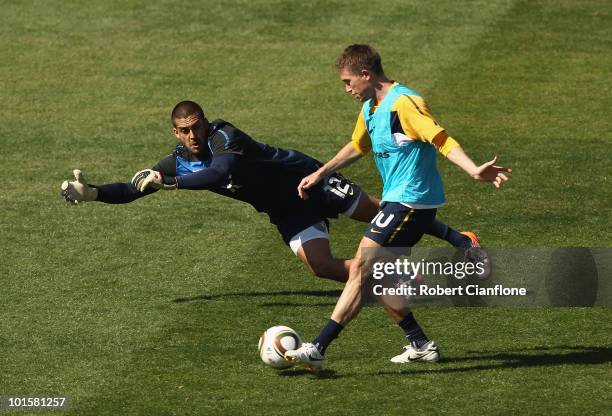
487,172
345,157
212,177
352,151
79,190
120,193
227,146
123,193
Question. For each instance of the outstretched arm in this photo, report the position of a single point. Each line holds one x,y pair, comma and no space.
79,191
212,177
120,193
347,155
487,172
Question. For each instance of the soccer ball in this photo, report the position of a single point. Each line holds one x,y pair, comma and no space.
275,342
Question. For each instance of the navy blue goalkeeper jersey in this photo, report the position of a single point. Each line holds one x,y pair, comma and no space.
264,176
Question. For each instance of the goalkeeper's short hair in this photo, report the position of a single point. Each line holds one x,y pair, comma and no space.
186,108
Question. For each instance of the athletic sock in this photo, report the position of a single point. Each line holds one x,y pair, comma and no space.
327,335
443,231
413,331
457,239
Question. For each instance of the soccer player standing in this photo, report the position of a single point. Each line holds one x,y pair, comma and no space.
396,125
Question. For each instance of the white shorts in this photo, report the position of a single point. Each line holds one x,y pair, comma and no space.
319,230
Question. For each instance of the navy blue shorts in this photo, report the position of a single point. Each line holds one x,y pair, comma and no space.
397,225
333,196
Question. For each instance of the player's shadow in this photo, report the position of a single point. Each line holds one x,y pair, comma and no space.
301,372
292,304
301,293
513,360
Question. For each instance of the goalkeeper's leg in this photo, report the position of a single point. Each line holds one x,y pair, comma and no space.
317,256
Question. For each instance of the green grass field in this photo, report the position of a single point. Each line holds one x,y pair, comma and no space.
155,307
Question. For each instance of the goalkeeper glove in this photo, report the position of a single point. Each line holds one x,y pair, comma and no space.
78,190
149,178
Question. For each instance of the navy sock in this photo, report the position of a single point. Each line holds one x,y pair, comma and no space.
327,335
444,232
413,331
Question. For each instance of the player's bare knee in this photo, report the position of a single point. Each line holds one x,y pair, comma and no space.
356,268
